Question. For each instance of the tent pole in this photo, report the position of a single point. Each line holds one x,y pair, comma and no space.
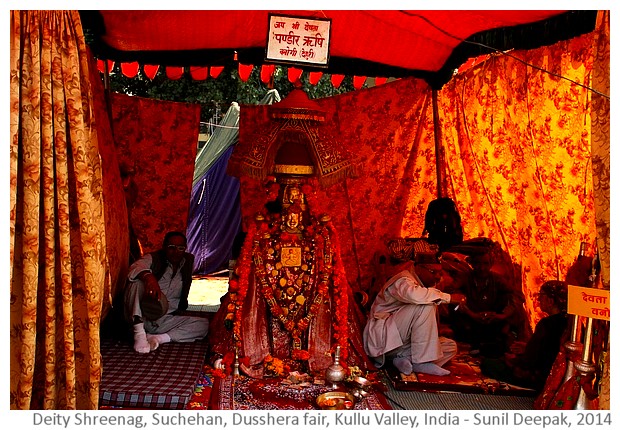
107,93
106,76
437,134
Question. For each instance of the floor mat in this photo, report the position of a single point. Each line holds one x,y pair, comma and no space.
163,379
244,393
465,377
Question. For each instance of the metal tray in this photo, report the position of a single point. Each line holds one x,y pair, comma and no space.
335,400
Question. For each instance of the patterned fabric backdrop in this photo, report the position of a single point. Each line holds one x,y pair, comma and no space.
519,158
59,268
159,140
517,152
387,129
602,169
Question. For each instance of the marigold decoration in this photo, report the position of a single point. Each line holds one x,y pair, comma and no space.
300,354
219,373
238,287
272,188
341,287
274,366
293,292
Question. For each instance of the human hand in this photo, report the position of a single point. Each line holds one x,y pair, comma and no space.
151,287
490,317
458,299
495,317
479,317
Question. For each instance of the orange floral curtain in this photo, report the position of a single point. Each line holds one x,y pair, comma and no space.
518,156
59,271
601,167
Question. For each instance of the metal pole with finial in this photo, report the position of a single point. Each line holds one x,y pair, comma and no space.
236,364
572,347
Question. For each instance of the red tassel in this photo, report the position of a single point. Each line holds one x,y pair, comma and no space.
294,74
337,80
174,73
214,71
315,77
101,65
266,72
380,81
358,82
130,69
199,73
245,71
150,71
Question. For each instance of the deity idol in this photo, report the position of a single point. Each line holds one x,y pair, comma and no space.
289,299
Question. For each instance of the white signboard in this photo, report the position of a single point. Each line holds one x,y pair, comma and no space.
298,40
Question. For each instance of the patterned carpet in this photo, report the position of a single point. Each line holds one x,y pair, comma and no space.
245,393
127,378
397,399
465,377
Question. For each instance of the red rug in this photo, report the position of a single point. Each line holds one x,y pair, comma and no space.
245,393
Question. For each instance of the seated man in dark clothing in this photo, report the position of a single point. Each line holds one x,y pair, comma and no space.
484,320
528,365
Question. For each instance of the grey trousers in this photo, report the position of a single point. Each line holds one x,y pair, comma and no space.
417,327
179,328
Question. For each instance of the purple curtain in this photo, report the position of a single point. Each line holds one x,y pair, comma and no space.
214,217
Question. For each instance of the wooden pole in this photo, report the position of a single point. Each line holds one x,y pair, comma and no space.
106,76
437,134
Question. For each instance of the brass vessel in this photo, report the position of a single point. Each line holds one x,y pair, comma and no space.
335,372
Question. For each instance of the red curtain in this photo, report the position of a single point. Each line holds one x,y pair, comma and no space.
159,140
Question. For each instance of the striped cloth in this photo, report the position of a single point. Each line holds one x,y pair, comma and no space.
162,379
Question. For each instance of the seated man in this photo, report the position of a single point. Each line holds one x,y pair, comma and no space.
529,364
402,324
491,309
158,287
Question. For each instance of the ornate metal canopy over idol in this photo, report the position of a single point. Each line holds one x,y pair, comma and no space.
295,142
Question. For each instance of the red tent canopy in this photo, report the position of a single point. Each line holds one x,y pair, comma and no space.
388,43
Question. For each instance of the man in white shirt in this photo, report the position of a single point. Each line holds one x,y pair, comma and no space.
403,325
158,287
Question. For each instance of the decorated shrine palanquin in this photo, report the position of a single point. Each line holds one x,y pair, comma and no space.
289,305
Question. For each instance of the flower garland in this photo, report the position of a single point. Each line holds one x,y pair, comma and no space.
339,277
238,286
328,266
297,284
272,188
341,297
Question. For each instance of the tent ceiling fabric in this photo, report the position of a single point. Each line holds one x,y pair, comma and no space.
385,43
